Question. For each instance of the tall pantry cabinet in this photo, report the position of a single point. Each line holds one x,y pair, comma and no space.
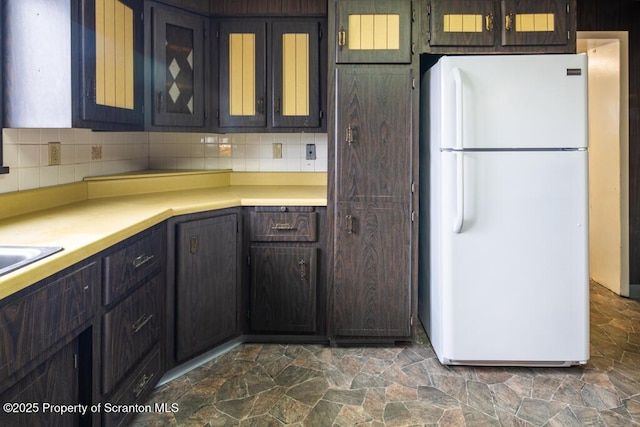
372,167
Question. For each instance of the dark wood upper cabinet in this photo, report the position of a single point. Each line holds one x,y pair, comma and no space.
73,64
537,23
463,23
270,75
177,63
267,7
373,31
243,79
493,26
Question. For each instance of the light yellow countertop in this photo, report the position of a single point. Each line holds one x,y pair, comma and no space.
86,218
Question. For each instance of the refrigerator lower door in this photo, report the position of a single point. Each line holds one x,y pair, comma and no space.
514,270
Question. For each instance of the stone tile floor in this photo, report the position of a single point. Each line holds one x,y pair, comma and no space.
316,385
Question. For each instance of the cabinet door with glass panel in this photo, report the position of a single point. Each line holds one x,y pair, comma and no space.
462,23
112,37
372,31
178,66
270,74
242,92
296,74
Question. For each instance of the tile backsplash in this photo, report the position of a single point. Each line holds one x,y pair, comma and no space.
87,153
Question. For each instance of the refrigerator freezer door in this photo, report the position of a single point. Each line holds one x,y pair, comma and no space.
515,278
514,102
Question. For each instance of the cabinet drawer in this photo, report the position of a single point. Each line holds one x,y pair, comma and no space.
136,389
126,268
128,331
35,322
283,226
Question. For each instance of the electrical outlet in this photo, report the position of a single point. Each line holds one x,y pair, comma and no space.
277,150
55,153
311,152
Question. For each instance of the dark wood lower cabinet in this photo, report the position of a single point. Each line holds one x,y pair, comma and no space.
283,288
206,287
54,382
372,270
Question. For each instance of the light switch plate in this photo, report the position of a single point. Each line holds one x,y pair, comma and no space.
277,150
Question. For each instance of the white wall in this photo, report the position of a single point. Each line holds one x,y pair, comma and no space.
25,151
240,152
608,159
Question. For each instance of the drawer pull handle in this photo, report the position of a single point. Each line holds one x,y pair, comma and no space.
303,269
280,227
139,324
142,260
144,382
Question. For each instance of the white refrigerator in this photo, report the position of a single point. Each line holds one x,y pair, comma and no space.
504,272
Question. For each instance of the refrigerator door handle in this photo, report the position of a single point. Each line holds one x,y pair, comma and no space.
457,80
458,221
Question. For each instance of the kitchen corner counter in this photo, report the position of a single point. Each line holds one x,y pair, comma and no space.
86,218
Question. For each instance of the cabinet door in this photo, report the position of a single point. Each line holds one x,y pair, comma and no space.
242,74
206,283
374,134
112,37
296,74
372,270
178,68
534,22
372,31
283,289
462,23
53,382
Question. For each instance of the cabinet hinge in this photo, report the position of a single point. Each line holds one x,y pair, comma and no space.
411,320
237,316
567,8
217,114
321,114
568,35
413,15
75,360
413,48
413,187
413,83
320,35
249,260
413,216
217,34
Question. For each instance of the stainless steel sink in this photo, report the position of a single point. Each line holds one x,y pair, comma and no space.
15,257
